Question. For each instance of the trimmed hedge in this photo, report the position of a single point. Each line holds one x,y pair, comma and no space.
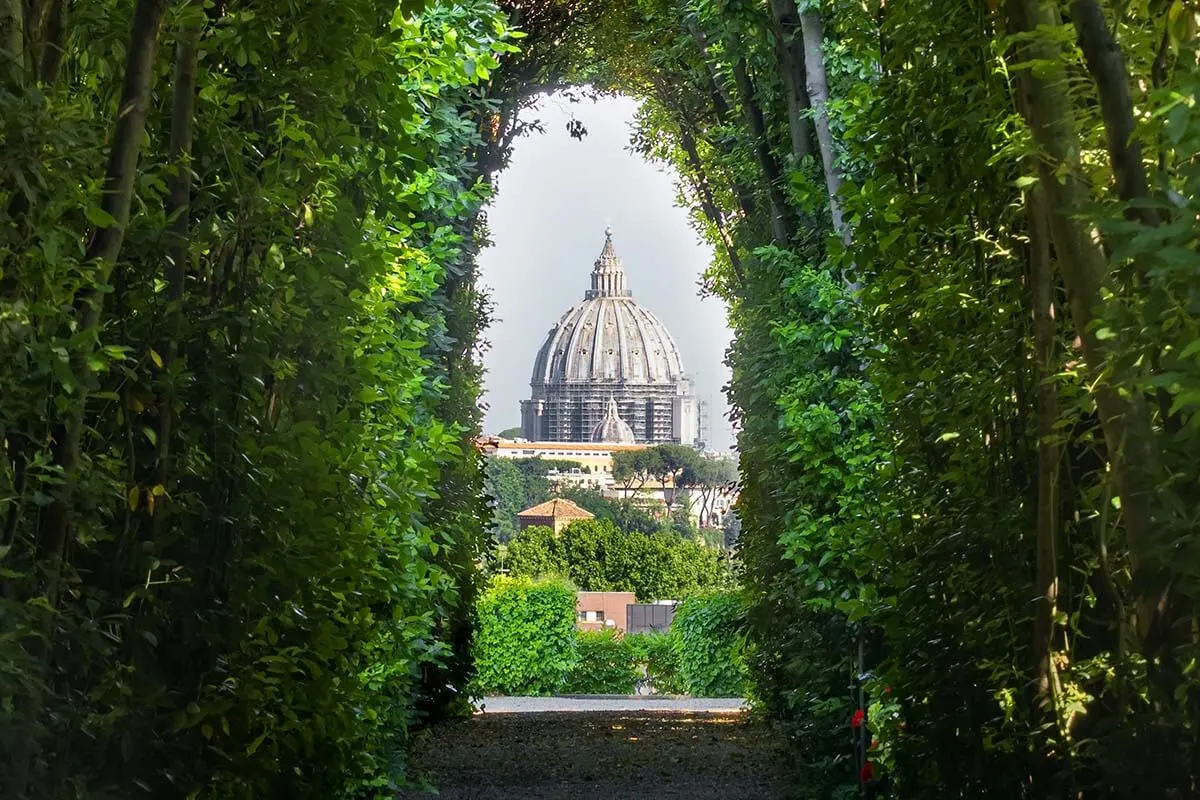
606,665
655,651
525,642
710,647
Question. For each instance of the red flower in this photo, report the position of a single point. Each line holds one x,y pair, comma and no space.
856,721
887,690
868,772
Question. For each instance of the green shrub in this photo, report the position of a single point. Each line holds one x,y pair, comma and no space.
525,637
654,651
606,665
707,640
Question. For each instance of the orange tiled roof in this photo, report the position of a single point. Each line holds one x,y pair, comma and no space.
557,508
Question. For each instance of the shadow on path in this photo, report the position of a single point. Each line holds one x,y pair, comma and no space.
614,755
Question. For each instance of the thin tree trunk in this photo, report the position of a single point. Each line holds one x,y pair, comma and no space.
722,104
789,50
183,112
1048,452
1107,66
1124,418
813,31
772,174
103,250
12,30
53,31
708,203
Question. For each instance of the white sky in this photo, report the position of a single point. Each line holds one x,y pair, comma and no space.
547,223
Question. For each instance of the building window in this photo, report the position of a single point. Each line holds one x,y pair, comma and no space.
590,616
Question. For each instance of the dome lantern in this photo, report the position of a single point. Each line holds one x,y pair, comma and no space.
608,273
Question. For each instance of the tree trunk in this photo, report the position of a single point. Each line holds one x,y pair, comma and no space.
722,104
708,203
103,250
183,112
1107,66
53,31
12,30
789,52
772,174
818,93
1124,419
1048,453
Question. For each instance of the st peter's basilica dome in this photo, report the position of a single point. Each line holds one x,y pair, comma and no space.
609,346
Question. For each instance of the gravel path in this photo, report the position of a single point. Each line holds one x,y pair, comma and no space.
600,755
526,705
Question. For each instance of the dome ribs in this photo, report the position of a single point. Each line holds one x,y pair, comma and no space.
609,368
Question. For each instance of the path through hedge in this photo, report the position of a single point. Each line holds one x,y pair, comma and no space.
601,755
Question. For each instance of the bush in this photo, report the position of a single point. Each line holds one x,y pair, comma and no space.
655,652
708,642
605,665
525,637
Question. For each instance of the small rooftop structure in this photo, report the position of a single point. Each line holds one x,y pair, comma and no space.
556,514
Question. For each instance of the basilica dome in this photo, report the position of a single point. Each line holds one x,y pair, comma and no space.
609,364
608,336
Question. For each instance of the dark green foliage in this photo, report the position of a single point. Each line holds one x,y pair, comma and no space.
535,553
524,637
709,643
226,566
606,665
506,488
597,557
964,381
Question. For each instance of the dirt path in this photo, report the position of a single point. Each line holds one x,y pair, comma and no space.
601,756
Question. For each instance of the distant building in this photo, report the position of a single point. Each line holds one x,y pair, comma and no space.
609,371
555,514
596,456
597,610
622,612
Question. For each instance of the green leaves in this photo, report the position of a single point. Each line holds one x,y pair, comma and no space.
524,639
707,639
606,665
293,558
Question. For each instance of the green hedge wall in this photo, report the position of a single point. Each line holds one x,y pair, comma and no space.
709,645
525,637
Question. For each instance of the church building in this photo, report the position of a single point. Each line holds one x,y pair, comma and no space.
609,371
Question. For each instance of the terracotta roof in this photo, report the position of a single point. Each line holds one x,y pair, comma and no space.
557,508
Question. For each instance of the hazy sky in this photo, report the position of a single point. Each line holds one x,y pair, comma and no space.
547,222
